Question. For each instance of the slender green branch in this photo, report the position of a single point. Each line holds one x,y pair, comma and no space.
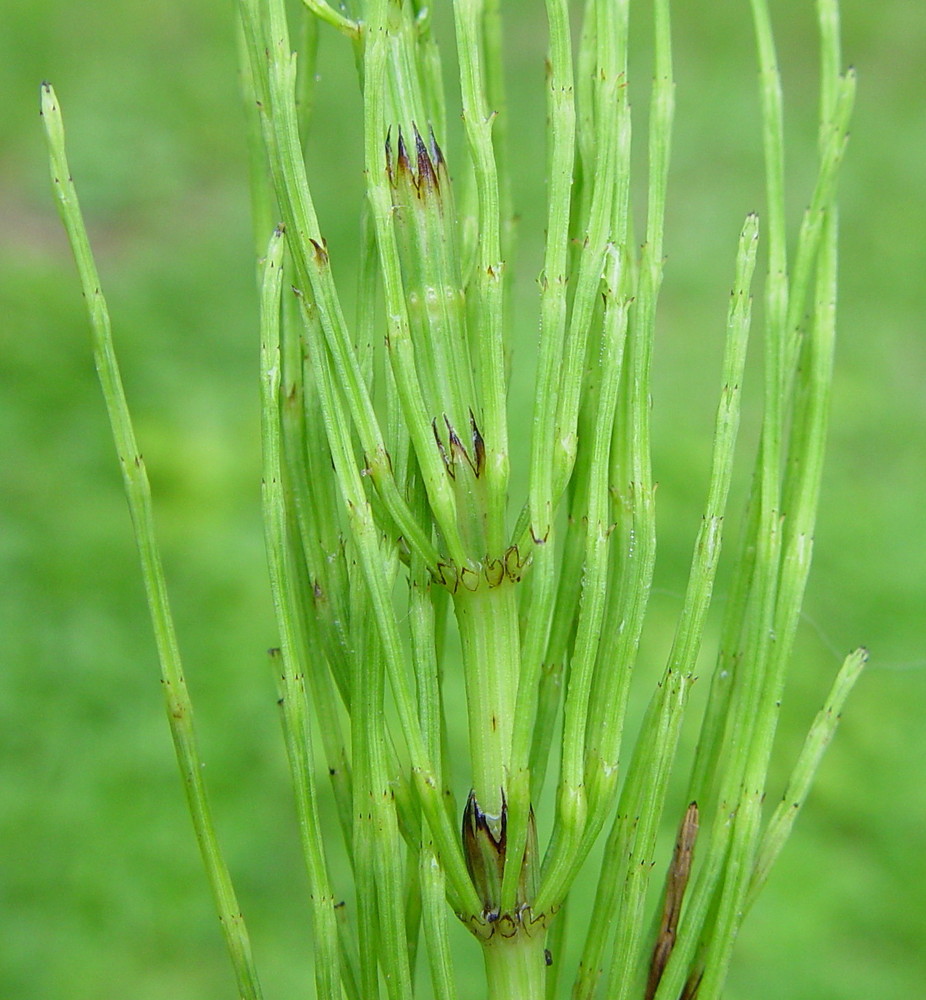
138,494
324,12
469,21
795,794
561,153
288,601
275,85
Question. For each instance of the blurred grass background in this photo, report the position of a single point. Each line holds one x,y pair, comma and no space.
101,889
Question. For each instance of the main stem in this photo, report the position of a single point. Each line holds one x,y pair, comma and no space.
516,967
488,621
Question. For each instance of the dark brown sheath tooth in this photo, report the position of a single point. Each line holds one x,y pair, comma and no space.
484,852
437,156
448,461
456,445
388,150
427,178
479,446
404,165
321,251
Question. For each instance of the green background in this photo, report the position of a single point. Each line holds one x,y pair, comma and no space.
101,889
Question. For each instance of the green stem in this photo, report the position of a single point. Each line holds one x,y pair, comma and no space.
138,493
516,967
488,621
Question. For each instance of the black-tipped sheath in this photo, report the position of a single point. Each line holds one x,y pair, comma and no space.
457,449
479,445
427,177
321,251
437,157
448,463
404,163
485,854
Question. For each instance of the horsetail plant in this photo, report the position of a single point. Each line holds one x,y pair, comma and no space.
392,523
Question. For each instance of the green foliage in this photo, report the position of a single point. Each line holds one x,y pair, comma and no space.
437,503
569,640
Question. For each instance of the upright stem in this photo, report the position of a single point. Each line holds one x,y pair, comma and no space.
516,967
488,620
138,493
